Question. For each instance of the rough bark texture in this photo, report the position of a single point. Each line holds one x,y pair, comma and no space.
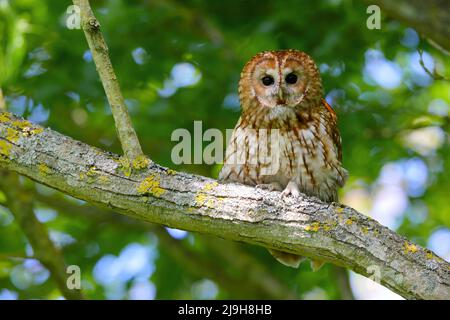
261,283
303,225
430,18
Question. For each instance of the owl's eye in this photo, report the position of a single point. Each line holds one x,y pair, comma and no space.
291,78
267,80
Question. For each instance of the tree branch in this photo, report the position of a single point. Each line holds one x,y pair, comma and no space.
343,283
260,282
303,225
20,203
430,18
433,74
99,49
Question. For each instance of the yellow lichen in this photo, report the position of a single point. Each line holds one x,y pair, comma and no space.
329,225
202,198
21,123
429,255
44,169
171,172
92,172
124,166
12,135
151,185
5,117
5,147
26,127
220,199
141,162
365,230
103,179
210,203
210,186
127,166
340,210
349,221
314,227
410,248
32,131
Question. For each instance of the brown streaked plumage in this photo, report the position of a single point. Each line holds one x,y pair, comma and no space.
287,137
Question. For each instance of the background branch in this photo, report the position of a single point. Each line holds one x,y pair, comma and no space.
430,18
305,226
433,74
20,201
343,283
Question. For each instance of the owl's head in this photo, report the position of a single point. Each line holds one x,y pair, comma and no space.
280,79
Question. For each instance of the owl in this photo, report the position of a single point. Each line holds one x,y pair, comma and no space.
287,137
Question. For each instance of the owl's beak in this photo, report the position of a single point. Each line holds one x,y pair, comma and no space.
280,97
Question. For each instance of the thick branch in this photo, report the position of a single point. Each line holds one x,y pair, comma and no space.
303,225
99,49
260,282
430,18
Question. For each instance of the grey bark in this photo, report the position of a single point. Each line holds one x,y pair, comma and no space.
99,49
330,232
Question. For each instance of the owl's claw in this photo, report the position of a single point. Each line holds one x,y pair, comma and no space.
273,186
291,189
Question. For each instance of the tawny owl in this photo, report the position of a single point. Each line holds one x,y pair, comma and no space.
287,138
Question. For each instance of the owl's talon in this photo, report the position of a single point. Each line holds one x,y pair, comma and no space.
291,189
274,186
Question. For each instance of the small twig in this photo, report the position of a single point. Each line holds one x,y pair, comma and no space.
433,74
15,256
99,49
438,46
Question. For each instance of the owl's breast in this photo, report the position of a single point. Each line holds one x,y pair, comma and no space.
306,155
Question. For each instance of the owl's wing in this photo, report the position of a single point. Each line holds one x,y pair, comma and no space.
232,171
337,141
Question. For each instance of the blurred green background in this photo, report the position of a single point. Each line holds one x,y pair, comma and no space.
179,61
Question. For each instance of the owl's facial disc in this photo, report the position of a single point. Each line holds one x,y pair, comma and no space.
280,83
279,87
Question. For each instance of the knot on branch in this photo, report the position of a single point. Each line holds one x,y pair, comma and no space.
93,24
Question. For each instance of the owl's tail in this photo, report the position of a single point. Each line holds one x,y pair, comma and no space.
293,260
